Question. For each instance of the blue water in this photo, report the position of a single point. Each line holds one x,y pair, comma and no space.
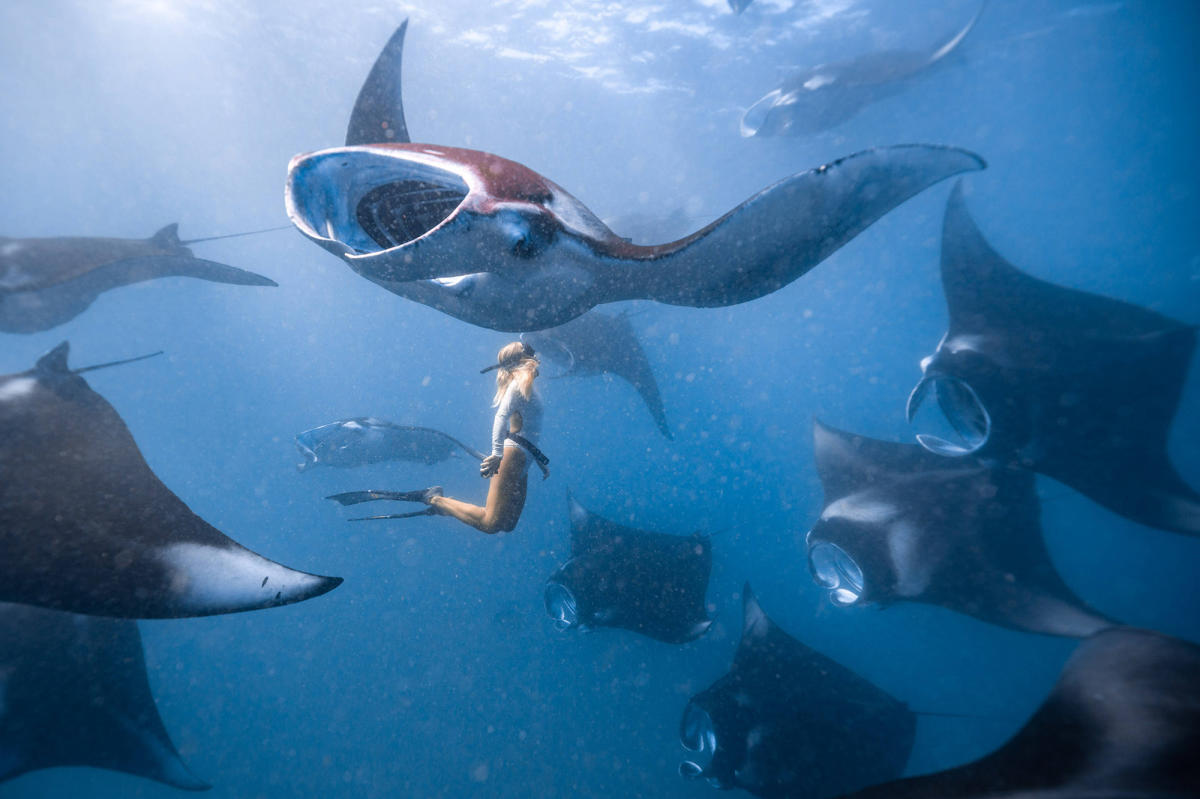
433,671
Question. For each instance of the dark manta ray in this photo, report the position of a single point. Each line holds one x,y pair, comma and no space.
823,96
493,243
1076,386
85,526
787,721
357,442
650,583
902,524
600,343
45,282
74,692
1123,722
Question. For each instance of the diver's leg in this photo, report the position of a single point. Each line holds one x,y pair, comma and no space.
506,498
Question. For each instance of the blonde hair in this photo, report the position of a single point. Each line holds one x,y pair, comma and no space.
514,365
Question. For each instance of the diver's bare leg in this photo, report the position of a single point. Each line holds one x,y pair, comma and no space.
505,501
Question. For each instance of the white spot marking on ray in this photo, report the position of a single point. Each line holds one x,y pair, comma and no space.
207,578
911,570
16,388
12,248
856,509
817,81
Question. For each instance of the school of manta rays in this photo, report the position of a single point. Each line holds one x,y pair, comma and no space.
951,521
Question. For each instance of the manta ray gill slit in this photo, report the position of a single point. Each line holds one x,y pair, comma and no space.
396,213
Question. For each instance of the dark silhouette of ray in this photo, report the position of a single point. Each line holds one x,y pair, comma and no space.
599,343
74,692
900,523
1076,386
364,440
786,721
1123,722
821,97
85,526
650,583
46,282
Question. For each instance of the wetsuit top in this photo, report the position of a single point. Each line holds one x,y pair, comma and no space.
531,418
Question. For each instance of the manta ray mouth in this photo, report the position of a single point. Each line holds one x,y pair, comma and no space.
306,452
697,734
561,606
834,570
756,115
962,409
365,201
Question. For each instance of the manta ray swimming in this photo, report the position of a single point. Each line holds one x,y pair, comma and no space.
597,343
1079,387
786,721
493,243
74,692
365,440
1122,722
821,97
901,524
85,526
650,583
46,282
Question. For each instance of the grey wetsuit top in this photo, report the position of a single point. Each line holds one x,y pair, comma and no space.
531,419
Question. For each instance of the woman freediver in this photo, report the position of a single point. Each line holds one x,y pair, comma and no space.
515,431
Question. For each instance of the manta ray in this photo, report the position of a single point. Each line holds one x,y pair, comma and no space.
902,524
650,583
46,282
74,692
1122,722
86,527
493,243
786,721
821,97
364,440
599,343
1079,387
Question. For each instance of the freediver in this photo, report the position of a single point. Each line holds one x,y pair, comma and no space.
515,432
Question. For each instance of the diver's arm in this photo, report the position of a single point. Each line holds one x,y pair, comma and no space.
500,423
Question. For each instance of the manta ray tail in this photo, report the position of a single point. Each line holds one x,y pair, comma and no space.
211,271
378,114
785,230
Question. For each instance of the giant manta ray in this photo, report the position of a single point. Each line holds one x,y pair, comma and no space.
1077,386
493,243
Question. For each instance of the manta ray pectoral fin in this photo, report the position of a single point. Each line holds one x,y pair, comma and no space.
206,580
785,230
153,756
378,114
185,266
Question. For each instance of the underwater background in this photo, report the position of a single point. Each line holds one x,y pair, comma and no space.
434,671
